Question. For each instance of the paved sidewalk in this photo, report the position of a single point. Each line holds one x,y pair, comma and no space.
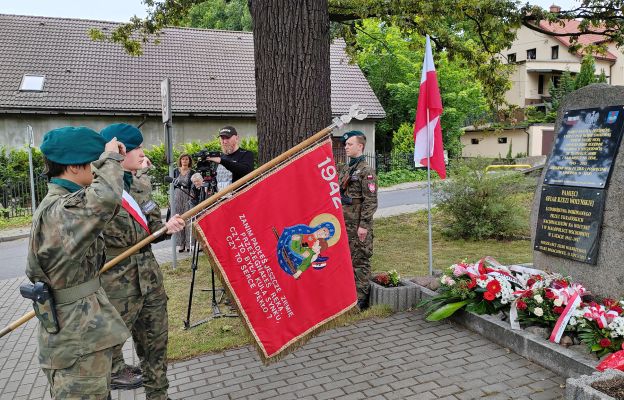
400,357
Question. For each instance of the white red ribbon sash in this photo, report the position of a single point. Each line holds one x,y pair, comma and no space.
130,205
564,318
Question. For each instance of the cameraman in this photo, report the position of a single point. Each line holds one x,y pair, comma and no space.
235,162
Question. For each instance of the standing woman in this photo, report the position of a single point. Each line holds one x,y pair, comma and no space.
181,198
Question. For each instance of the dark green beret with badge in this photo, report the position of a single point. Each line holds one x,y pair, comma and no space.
72,145
347,135
129,135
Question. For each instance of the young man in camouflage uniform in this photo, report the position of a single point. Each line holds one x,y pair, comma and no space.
135,285
66,252
358,189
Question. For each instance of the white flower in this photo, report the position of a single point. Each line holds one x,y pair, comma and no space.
447,280
538,311
538,299
558,302
617,327
572,321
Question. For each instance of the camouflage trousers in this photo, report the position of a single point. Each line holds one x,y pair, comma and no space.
87,379
361,253
146,317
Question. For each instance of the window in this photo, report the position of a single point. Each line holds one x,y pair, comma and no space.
555,80
540,84
32,83
502,140
531,54
554,52
511,58
474,141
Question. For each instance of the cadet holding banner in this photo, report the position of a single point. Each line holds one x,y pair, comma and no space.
78,326
135,285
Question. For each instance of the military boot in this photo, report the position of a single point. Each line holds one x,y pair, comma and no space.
127,378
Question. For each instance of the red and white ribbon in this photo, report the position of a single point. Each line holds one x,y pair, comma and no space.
564,318
130,205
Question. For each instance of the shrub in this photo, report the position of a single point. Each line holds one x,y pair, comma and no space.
397,176
478,205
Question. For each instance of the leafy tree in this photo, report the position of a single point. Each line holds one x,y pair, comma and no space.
587,75
566,86
392,63
231,15
292,41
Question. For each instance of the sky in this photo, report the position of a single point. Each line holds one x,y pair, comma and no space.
123,10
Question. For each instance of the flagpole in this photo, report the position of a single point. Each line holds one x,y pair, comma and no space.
429,193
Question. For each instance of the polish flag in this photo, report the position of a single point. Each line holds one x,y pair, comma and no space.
428,124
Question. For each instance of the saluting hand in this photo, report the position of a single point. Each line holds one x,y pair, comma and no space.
115,146
175,224
361,232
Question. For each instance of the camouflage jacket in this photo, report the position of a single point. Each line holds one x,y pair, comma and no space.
138,274
360,184
66,249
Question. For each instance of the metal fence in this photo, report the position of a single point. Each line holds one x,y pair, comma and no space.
16,199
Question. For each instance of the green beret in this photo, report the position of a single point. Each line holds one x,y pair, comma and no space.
129,135
347,135
72,145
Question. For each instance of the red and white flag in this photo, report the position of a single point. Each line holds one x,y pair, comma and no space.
427,130
280,246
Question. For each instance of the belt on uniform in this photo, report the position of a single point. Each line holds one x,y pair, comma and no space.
74,293
115,251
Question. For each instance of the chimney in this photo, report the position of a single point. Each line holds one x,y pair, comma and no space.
555,9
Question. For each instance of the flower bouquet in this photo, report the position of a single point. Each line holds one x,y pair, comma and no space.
483,288
388,279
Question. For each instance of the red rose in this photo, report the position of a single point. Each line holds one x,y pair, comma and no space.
521,305
617,309
483,277
558,310
527,294
494,286
604,342
489,296
550,294
472,283
530,282
608,303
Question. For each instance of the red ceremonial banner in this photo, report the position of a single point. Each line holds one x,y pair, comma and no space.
281,247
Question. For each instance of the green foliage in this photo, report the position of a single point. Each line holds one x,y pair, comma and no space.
397,176
231,15
392,63
14,164
566,86
509,153
403,138
602,78
446,311
587,76
479,205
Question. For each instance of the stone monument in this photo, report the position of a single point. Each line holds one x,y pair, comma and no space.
578,211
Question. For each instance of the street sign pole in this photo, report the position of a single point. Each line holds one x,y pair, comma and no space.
31,142
165,94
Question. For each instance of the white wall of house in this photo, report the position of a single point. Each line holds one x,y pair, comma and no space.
617,69
488,143
185,129
526,77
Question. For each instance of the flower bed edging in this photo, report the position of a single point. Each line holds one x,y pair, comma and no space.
580,388
554,357
399,298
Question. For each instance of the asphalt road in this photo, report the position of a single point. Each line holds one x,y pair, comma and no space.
13,253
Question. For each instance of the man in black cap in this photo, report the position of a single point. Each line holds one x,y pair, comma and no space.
358,190
235,162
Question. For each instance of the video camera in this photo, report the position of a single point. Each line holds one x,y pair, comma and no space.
204,166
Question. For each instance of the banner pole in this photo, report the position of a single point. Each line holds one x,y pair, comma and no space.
354,112
429,193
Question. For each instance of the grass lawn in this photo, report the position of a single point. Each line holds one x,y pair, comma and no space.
400,243
16,222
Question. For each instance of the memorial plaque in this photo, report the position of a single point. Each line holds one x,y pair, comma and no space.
585,148
569,222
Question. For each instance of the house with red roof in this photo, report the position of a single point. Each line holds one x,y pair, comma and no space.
540,59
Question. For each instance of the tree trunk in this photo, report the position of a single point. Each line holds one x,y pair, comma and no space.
293,87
